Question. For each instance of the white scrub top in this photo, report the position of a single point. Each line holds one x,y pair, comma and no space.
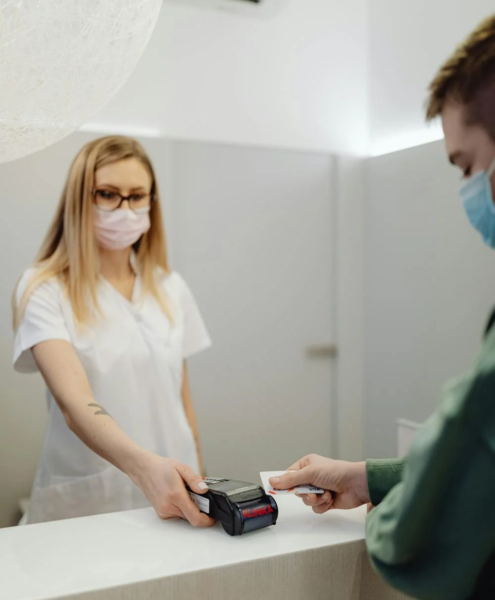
133,358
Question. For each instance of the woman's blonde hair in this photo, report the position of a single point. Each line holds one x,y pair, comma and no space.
69,251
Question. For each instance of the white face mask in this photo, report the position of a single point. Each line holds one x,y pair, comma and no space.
120,228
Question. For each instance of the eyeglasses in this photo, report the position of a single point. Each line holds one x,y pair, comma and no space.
110,201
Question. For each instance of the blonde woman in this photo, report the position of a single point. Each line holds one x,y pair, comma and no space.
110,327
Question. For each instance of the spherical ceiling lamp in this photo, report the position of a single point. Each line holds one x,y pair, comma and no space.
61,61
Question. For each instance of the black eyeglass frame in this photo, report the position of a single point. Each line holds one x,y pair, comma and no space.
123,199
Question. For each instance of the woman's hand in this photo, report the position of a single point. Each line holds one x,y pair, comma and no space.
345,482
163,481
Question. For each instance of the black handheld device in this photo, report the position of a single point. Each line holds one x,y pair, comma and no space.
240,507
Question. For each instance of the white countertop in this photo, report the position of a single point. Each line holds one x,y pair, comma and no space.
50,560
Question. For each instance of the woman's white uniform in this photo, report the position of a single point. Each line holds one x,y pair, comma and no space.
133,358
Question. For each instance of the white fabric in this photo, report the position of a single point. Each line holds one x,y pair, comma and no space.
133,358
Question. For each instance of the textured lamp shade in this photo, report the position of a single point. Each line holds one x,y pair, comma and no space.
61,61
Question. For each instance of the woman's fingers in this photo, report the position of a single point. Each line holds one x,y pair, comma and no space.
185,513
192,513
183,501
192,479
172,512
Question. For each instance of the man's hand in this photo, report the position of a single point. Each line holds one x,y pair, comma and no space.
163,481
345,482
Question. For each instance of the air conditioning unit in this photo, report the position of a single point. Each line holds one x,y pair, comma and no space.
257,8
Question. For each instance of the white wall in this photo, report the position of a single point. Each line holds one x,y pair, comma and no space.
344,77
254,234
429,287
408,41
297,80
349,313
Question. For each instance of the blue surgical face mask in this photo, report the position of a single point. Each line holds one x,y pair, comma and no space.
477,197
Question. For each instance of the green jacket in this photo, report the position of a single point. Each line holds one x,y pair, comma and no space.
432,533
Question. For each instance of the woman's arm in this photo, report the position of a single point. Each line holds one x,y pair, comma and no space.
160,479
191,414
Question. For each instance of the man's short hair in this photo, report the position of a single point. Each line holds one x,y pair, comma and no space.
468,77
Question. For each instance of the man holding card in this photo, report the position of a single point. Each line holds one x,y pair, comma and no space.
432,531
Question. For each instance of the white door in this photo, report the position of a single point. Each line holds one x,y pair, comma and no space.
251,231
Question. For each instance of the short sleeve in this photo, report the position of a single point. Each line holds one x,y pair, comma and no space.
42,320
196,337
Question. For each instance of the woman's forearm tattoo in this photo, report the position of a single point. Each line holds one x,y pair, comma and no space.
101,410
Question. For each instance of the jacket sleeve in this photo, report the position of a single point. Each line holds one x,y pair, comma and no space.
382,476
433,533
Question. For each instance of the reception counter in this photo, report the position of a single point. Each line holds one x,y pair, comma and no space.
135,556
